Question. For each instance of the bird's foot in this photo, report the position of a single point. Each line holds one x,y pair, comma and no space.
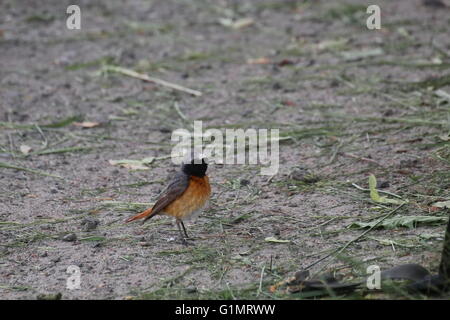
184,241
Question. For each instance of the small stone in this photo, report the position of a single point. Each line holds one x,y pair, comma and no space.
145,244
303,175
56,296
388,113
382,184
191,290
89,224
277,86
70,237
409,163
55,259
244,182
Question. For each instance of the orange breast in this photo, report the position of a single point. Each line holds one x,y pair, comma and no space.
193,199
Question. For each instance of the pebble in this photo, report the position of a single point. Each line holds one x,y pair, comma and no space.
56,259
70,237
89,224
244,182
303,175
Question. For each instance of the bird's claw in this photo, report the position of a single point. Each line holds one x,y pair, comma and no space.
185,242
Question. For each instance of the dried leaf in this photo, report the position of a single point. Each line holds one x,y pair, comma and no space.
429,236
442,204
273,239
405,221
376,197
262,60
86,124
25,149
242,23
288,103
389,242
285,62
238,24
226,22
373,191
443,95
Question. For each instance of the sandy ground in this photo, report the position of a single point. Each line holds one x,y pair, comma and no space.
349,100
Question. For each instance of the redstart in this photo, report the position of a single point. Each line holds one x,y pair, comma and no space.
186,194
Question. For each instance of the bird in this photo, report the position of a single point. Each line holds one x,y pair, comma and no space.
185,196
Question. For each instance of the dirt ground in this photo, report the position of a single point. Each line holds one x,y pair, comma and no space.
349,102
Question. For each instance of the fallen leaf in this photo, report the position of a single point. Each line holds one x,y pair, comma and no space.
434,209
405,221
285,62
273,239
436,60
86,124
442,204
238,24
242,23
389,242
429,236
331,44
288,103
25,149
261,60
443,95
376,197
373,191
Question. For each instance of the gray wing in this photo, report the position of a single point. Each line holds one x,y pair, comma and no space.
174,190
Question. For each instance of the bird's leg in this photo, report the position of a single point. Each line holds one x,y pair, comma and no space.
184,229
183,238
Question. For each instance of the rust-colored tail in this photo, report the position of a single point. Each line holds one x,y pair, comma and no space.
140,215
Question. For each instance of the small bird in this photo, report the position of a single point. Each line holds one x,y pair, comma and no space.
187,194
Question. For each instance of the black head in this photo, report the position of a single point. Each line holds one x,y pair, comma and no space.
195,168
